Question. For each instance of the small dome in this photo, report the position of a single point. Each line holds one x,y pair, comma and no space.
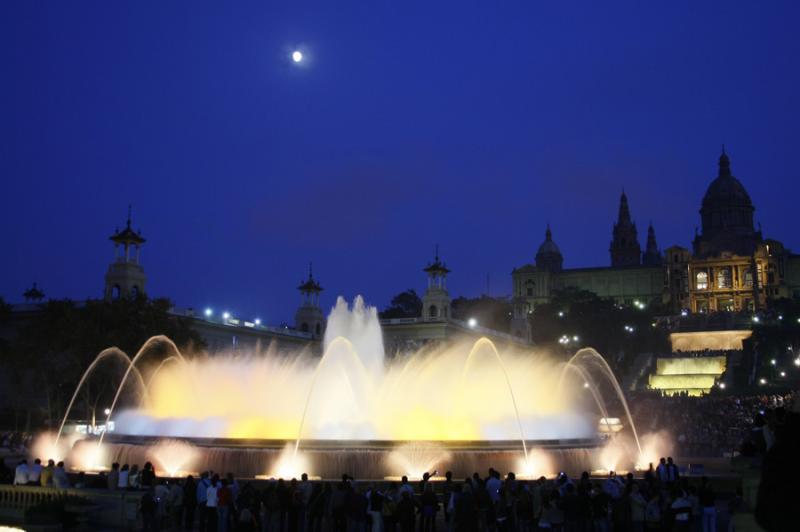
549,256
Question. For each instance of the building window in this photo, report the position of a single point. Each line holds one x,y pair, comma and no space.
724,279
725,305
432,311
530,291
771,274
748,279
702,280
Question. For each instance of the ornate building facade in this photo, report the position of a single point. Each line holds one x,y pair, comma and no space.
731,267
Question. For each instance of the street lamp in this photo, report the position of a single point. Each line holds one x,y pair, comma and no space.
472,322
209,312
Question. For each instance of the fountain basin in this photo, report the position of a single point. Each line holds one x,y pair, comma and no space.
372,460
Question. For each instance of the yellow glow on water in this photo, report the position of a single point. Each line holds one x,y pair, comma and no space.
463,391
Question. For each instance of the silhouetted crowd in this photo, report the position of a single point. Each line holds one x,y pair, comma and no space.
661,501
708,425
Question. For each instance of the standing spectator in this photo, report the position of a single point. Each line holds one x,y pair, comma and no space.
175,504
148,476
149,508
35,472
652,512
202,498
60,479
134,477
211,504
224,504
46,478
21,473
708,503
637,505
124,473
189,502
375,508
430,507
681,509
112,479
405,512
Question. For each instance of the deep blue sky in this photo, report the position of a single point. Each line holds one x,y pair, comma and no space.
468,124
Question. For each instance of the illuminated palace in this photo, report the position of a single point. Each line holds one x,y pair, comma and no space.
731,268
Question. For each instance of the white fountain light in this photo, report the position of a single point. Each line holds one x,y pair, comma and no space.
297,56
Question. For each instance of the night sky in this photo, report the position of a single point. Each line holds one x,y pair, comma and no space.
467,124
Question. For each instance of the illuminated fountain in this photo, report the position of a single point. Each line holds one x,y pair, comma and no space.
464,406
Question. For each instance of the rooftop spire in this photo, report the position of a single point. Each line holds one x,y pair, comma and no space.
724,164
129,215
548,235
624,216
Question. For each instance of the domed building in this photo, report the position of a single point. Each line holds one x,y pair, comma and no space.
727,216
732,267
549,256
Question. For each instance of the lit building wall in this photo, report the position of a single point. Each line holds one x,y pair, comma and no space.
711,340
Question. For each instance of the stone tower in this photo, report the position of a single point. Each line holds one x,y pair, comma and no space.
436,301
309,316
125,276
625,249
651,255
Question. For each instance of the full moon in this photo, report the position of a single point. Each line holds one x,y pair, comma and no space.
297,56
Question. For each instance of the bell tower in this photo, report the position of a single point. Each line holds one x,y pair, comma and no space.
436,301
125,276
625,249
309,317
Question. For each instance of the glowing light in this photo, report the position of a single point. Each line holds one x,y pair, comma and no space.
762,381
173,457
88,456
226,315
415,459
585,384
209,313
288,465
472,323
575,338
783,373
297,56
797,361
561,314
107,411
773,361
684,313
538,464
722,385
756,319
258,321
